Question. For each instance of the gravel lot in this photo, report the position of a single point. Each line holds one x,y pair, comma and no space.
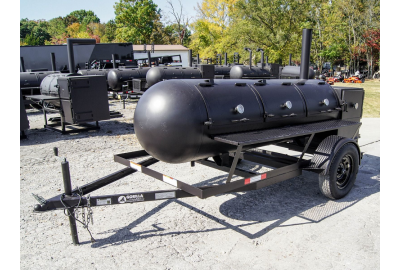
289,225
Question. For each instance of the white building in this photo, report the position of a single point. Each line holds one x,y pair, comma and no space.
163,50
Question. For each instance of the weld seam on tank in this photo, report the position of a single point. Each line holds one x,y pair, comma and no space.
264,108
304,99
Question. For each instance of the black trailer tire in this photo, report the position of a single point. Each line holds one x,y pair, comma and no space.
342,172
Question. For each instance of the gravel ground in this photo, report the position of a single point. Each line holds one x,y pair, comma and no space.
289,225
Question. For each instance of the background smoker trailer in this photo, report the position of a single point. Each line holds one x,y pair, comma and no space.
223,122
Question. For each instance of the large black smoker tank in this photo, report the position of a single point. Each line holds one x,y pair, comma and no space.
117,77
175,119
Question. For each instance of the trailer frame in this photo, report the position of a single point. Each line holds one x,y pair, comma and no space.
286,167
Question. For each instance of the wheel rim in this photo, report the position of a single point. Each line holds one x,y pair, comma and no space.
344,172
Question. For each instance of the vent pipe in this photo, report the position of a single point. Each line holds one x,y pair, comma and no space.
53,61
262,56
22,64
305,54
190,58
251,55
113,61
70,49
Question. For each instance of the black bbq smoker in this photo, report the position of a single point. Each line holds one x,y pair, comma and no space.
224,121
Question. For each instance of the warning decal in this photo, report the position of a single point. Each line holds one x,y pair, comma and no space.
105,201
165,195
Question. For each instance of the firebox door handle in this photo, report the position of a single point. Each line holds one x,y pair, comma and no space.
241,120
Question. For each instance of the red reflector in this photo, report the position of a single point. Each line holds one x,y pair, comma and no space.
107,60
247,181
263,176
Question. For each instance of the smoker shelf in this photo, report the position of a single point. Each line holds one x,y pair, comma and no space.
261,136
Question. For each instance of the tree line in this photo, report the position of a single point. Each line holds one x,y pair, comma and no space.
345,32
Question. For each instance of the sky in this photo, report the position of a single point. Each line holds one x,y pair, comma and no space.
49,9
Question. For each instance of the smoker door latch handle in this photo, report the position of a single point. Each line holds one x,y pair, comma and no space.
289,115
209,122
241,120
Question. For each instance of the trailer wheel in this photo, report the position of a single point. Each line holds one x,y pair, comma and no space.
337,180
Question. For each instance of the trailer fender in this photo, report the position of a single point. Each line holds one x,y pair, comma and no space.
326,151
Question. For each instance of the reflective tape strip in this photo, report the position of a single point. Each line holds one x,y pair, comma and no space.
170,180
255,179
135,166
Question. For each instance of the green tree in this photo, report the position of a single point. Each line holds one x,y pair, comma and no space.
211,30
57,27
69,20
35,32
85,17
31,40
110,31
25,27
135,20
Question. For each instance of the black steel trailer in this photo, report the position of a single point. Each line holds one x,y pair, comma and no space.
336,159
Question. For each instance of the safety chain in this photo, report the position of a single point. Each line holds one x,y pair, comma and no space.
86,218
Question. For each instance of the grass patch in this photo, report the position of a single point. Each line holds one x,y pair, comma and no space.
372,98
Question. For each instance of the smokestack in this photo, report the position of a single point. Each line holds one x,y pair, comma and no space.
22,65
70,49
290,59
262,56
219,61
266,59
53,61
190,58
226,59
149,58
305,54
251,54
113,61
198,59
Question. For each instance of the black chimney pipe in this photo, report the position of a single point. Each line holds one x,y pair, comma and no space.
305,54
251,54
290,59
226,59
53,61
149,58
22,65
190,58
113,61
198,59
70,49
219,61
262,56
266,59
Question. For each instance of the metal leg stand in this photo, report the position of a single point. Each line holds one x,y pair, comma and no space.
44,114
68,192
234,163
